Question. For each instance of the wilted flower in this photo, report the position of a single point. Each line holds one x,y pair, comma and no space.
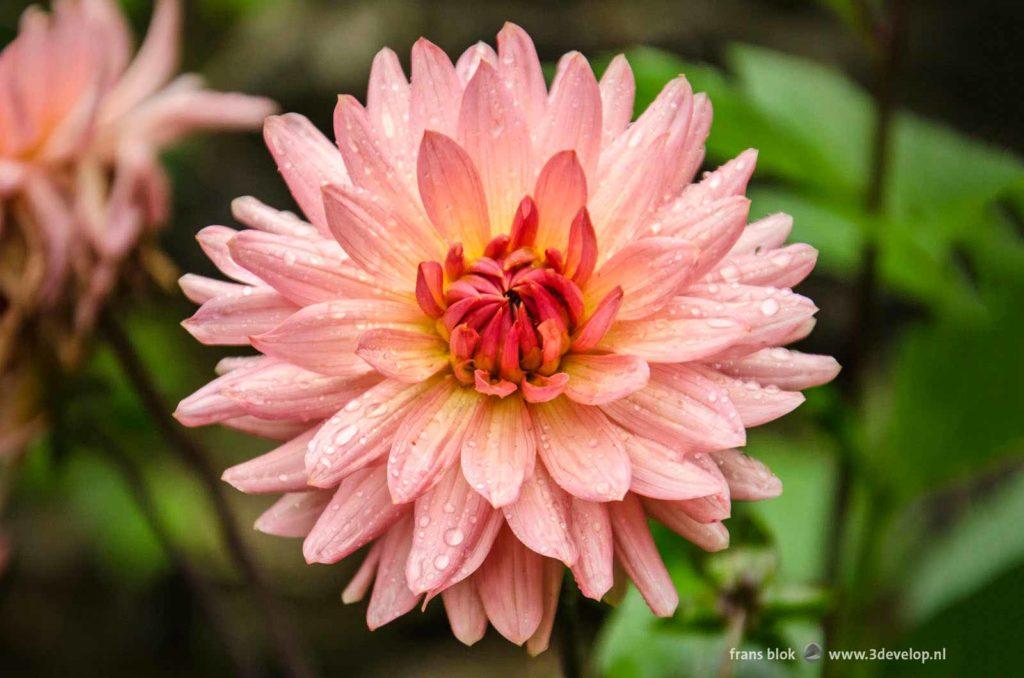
81,126
511,330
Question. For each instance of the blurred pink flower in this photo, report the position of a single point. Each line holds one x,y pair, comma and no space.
510,331
81,126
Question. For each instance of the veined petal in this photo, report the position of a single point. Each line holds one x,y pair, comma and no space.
494,135
465,612
748,478
664,474
231,320
470,60
436,91
554,572
560,194
708,536
200,289
573,118
270,429
784,267
452,193
511,587
209,405
713,228
728,180
430,439
214,242
783,368
307,160
580,449
768,233
618,89
592,531
636,552
756,404
650,272
680,407
540,518
499,450
520,69
596,379
284,391
359,512
774,316
363,578
294,514
403,355
391,597
387,107
255,214
283,469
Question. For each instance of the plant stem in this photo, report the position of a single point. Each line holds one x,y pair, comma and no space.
571,649
733,639
284,636
202,590
887,35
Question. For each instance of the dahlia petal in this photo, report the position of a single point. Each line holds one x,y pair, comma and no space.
748,478
650,272
450,519
520,69
367,229
499,387
209,405
359,433
452,193
391,597
579,447
680,407
363,578
708,536
231,320
554,572
284,391
542,389
430,439
783,368
323,337
436,91
596,379
465,612
596,326
200,289
294,514
511,587
255,214
660,473
728,180
573,118
499,450
756,404
494,135
692,151
784,267
470,60
618,89
387,107
283,469
214,242
768,233
307,160
302,270
402,355
592,532
359,512
671,113
686,329
774,316
560,194
713,228
478,553
540,518
635,550
266,428
581,252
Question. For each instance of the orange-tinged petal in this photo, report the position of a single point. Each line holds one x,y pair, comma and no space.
540,518
636,552
403,355
596,379
511,587
499,450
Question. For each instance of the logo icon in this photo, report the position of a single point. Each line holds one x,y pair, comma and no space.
812,652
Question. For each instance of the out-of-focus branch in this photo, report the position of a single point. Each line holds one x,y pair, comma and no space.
285,638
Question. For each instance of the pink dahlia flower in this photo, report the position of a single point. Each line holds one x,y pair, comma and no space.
81,126
511,330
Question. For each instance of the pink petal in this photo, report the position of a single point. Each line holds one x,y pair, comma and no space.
452,193
266,428
359,512
749,479
592,531
200,289
540,518
499,450
450,520
573,118
436,91
511,587
520,69
596,379
294,514
554,572
324,337
541,389
597,324
403,355
231,320
363,578
728,180
255,214
579,447
662,473
214,242
465,612
785,267
494,135
560,194
470,60
756,404
708,536
209,405
764,234
774,316
783,368
494,522
650,271
617,92
283,469
713,228
306,160
387,107
635,550
391,597
680,407
430,439
361,432
284,391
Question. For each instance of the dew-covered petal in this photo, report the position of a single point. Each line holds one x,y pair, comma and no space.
499,450
636,552
596,379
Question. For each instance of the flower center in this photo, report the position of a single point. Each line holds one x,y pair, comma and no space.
509,315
